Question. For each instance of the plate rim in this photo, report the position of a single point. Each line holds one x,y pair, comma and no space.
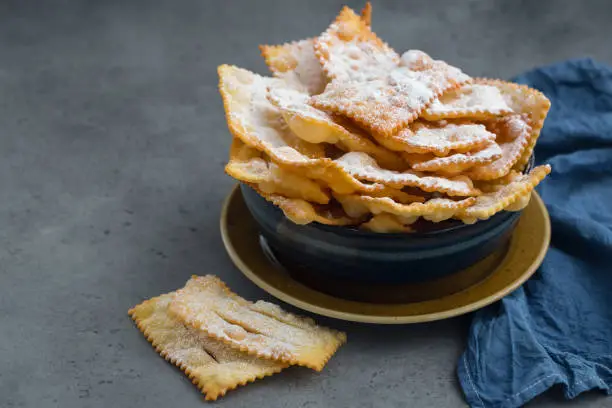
377,319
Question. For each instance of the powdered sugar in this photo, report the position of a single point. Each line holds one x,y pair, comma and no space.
308,69
349,50
316,126
206,304
469,100
510,152
459,162
297,103
258,122
510,127
356,60
212,365
416,60
369,85
523,100
306,72
364,167
440,140
387,104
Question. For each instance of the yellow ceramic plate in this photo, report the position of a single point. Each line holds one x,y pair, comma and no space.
471,289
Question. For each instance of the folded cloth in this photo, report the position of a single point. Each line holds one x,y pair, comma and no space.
557,328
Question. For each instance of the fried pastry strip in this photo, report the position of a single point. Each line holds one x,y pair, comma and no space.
262,329
214,367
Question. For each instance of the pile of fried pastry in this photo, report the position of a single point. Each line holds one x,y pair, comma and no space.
222,341
348,132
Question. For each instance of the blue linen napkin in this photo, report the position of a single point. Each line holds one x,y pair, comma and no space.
557,328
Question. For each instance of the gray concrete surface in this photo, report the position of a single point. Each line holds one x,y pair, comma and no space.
112,146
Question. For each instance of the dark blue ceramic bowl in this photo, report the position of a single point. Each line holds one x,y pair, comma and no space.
352,255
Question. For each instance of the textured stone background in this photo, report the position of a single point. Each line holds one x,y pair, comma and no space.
112,146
